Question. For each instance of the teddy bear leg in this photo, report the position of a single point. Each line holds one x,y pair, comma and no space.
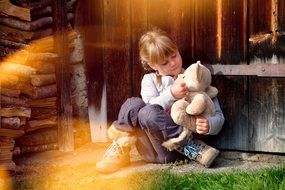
180,117
178,112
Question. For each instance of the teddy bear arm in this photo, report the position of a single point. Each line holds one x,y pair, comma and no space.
212,91
198,105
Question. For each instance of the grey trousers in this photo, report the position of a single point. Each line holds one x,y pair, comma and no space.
152,125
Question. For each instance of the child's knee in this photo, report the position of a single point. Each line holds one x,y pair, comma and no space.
148,115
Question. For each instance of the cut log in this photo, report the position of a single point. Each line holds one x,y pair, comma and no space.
47,10
8,80
8,8
39,4
19,34
12,38
8,166
10,92
23,121
10,101
19,57
5,51
12,133
43,12
43,45
43,113
15,112
8,148
40,124
17,69
41,57
6,156
24,25
43,103
44,91
4,141
37,92
42,33
44,68
38,148
25,88
12,44
41,80
10,122
41,136
46,44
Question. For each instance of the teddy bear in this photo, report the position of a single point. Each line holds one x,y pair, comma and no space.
197,102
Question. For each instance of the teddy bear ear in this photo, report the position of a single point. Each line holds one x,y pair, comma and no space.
199,72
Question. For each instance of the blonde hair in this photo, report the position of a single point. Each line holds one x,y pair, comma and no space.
154,47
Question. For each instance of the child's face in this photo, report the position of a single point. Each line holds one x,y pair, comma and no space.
171,66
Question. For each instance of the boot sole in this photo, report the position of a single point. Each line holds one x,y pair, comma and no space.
106,169
212,155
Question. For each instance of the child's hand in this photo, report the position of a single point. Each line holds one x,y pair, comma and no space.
179,89
202,125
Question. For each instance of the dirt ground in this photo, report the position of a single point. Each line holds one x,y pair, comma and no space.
89,154
77,169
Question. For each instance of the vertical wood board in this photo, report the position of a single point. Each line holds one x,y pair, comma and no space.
116,54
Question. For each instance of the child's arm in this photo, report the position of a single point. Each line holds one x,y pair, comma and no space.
150,93
216,122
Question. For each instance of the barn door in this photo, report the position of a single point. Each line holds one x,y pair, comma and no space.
252,93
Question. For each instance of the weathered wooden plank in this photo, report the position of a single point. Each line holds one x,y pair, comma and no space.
233,31
267,114
259,19
281,14
65,129
139,24
233,92
178,20
206,31
96,75
266,100
117,60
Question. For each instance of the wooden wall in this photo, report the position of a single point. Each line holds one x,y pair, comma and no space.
213,31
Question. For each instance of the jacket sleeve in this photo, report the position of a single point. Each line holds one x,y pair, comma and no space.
216,122
151,95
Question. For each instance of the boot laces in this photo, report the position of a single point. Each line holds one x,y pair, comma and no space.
192,149
114,150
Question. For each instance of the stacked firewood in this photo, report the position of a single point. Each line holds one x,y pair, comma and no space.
23,20
27,77
41,91
14,108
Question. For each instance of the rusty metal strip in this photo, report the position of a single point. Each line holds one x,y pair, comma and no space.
261,70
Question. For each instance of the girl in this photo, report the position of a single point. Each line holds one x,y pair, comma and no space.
147,123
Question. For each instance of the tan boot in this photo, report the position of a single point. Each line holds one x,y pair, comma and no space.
201,152
118,153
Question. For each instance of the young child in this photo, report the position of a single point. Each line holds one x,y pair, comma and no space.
147,123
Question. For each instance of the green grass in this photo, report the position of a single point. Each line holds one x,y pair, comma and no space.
263,179
273,178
